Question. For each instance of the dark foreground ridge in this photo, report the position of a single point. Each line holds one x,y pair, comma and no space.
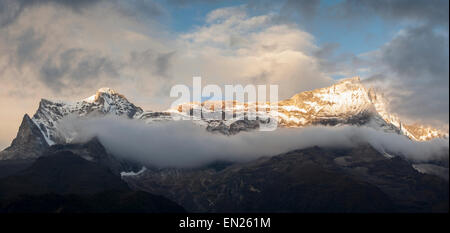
86,178
65,182
303,181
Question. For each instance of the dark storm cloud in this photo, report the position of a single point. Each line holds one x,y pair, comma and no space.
158,63
430,11
331,61
417,61
75,67
139,9
328,60
27,45
306,9
162,63
326,50
418,52
184,3
11,9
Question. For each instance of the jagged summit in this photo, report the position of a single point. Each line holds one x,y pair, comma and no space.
355,79
105,102
346,97
348,102
106,90
29,142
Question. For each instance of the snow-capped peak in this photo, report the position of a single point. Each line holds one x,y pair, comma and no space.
346,102
105,102
90,99
346,98
354,80
102,91
106,90
349,102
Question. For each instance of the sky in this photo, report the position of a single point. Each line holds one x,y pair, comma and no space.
66,50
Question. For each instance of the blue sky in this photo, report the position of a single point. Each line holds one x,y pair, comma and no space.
353,36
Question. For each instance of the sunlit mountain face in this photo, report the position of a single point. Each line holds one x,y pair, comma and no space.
93,117
347,102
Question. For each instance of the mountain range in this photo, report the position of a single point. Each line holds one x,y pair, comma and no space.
44,165
346,103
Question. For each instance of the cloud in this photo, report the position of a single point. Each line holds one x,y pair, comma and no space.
28,45
235,47
139,9
183,3
413,69
10,10
306,9
55,49
162,61
76,67
61,52
183,144
433,12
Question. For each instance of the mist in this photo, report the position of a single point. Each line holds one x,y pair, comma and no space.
184,144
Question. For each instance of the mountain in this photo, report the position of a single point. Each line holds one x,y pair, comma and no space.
105,101
347,102
40,132
61,181
61,173
29,142
104,202
45,171
309,180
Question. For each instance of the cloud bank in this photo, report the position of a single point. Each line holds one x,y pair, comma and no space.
183,144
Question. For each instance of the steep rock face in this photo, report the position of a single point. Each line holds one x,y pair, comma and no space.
28,144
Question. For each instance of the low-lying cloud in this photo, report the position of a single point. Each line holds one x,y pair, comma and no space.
183,144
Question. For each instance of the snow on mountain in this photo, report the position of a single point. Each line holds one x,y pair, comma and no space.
29,142
330,105
105,101
347,102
